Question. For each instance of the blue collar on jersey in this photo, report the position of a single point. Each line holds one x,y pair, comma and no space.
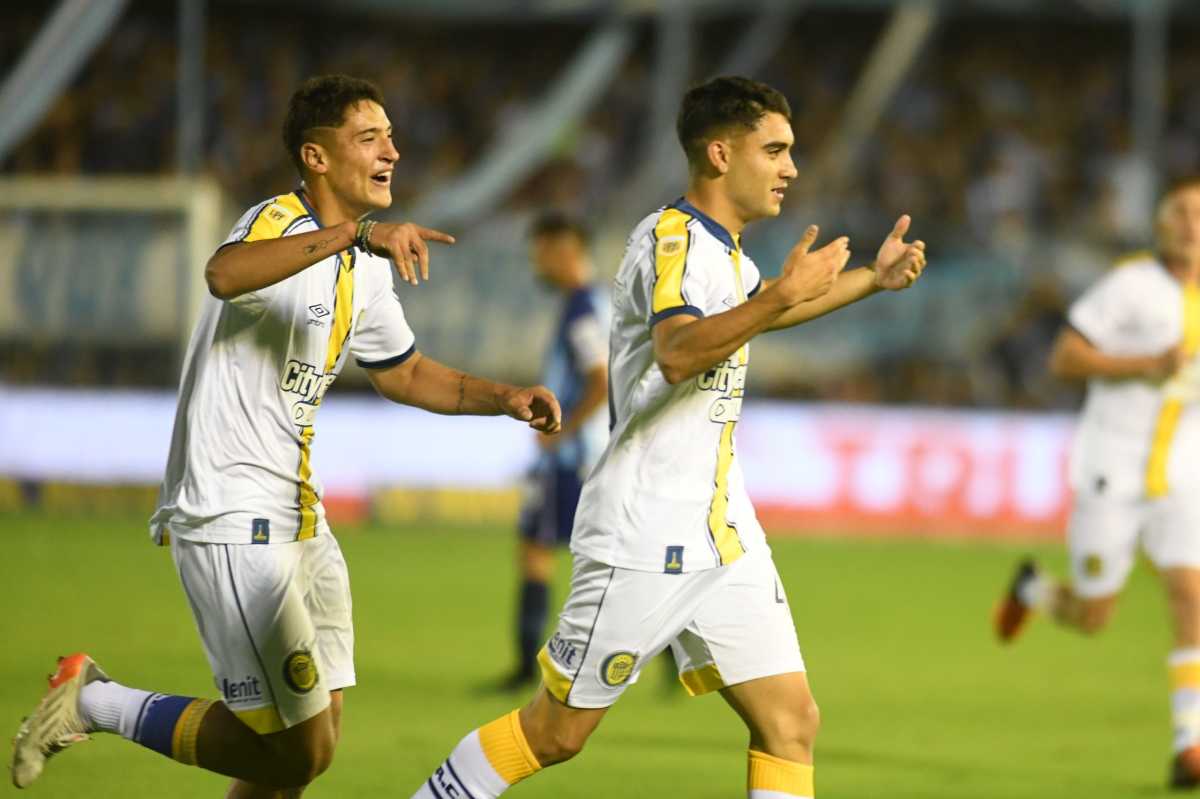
711,225
311,211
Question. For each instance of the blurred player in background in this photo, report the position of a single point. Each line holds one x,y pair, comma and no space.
302,284
1135,465
667,547
575,368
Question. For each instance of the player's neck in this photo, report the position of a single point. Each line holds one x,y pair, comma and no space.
711,202
330,208
1183,270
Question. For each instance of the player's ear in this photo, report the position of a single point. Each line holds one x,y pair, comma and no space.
718,156
314,157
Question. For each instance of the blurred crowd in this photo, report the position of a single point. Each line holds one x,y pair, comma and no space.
1017,147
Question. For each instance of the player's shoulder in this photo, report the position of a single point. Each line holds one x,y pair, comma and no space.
274,217
282,208
583,301
1134,269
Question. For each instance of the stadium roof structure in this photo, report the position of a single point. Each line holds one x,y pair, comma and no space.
498,11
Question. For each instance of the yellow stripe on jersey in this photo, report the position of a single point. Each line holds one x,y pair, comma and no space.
1184,675
1157,484
274,218
724,535
670,260
339,332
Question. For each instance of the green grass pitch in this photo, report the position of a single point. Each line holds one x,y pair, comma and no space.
916,698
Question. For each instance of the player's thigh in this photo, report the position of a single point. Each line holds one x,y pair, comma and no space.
1102,541
325,584
612,622
258,634
742,631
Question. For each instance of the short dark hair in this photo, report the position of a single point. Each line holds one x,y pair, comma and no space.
321,102
713,107
557,223
1178,184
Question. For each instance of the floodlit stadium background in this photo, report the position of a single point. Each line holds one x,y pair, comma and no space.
1027,139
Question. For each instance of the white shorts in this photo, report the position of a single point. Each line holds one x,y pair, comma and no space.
275,620
1104,533
725,626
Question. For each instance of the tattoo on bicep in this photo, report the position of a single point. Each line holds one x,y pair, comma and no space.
317,246
462,391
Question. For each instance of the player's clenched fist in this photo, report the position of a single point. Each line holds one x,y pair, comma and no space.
809,275
536,405
405,245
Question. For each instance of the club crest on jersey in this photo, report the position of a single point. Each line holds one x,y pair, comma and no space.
260,531
1093,565
300,671
617,668
670,245
673,562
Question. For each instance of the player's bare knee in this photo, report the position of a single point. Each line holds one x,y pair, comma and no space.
1094,616
791,726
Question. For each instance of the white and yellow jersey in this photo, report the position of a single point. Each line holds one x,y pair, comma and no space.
256,369
667,494
1138,438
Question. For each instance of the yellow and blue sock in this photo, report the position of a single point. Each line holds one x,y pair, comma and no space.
485,764
168,724
770,777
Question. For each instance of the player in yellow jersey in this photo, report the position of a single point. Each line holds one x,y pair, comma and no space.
302,284
1135,465
668,551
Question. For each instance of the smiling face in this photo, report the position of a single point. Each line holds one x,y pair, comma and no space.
758,167
356,159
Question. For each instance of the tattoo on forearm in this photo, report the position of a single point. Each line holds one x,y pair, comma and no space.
316,247
462,391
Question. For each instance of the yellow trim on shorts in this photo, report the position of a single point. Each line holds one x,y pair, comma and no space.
558,684
703,680
768,773
263,720
1165,427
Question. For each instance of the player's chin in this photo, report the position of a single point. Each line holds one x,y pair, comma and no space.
379,197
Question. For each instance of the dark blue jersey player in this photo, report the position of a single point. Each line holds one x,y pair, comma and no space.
576,369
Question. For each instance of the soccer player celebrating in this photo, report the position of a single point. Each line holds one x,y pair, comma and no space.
667,548
576,370
1134,337
302,284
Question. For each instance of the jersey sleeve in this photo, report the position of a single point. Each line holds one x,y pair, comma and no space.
269,220
679,282
382,337
585,335
1102,311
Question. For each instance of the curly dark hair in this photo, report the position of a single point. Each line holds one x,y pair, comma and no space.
321,102
712,108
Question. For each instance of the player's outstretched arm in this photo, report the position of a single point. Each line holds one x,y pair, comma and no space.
241,268
424,383
1076,358
685,346
897,266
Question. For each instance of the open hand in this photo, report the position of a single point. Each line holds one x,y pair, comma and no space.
405,245
898,265
537,405
808,275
